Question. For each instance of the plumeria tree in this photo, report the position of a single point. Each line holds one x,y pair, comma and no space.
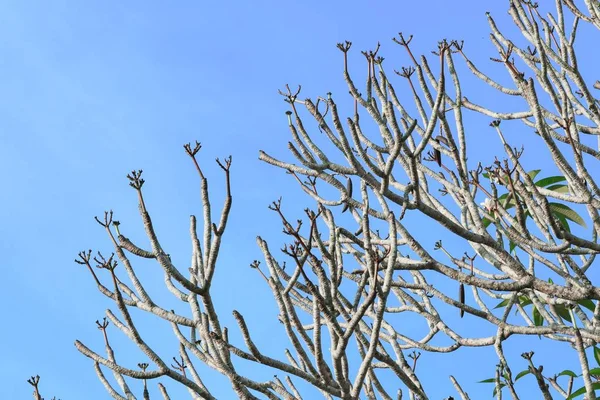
529,237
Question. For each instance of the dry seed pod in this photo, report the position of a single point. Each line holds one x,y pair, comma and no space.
349,191
438,157
436,153
441,139
461,297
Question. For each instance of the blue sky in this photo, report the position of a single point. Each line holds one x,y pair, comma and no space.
91,90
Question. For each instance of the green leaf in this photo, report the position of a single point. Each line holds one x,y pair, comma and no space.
563,221
525,301
580,391
512,246
486,175
507,205
550,180
597,355
498,387
486,222
559,209
576,393
503,303
522,374
533,173
595,371
560,188
589,304
563,312
538,320
489,380
568,372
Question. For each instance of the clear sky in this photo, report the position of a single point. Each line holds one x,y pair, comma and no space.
90,90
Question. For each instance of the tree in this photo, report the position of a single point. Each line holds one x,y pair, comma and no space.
531,249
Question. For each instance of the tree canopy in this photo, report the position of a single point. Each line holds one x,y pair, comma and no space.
509,252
